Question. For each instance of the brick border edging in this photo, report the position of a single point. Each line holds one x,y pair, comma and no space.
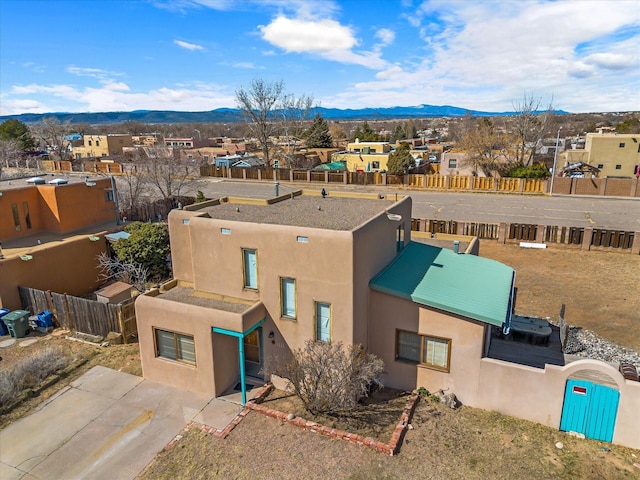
391,448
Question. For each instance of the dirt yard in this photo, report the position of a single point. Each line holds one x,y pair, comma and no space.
601,290
443,443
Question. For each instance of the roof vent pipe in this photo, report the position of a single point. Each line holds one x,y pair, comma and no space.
456,246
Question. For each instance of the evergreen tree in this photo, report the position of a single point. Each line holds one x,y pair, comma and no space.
147,245
401,160
318,135
13,129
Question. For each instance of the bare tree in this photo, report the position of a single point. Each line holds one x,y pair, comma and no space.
258,104
133,185
487,148
50,131
329,377
170,172
113,269
10,152
529,126
295,114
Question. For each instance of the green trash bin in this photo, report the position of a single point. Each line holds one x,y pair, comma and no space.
17,323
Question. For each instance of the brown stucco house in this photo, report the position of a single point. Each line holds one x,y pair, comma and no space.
254,279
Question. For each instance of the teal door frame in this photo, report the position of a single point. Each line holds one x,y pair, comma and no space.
590,409
240,336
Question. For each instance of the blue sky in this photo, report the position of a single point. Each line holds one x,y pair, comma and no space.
192,55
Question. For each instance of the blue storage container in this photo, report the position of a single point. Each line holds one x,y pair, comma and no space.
45,319
3,328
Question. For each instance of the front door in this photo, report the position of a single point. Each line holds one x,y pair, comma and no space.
253,353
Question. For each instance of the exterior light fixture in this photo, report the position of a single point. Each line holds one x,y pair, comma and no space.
93,238
394,217
26,258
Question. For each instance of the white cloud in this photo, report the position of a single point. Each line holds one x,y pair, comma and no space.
247,66
193,47
386,36
325,38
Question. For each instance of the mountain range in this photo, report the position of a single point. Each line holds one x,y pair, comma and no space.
231,115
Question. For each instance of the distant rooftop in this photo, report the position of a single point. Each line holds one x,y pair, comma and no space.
332,213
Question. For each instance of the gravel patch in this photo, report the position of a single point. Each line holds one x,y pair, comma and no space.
332,213
584,343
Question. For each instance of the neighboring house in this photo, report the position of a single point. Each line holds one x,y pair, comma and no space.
244,161
187,142
615,155
255,279
51,235
28,209
364,156
102,146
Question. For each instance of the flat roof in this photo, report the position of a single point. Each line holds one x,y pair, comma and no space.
331,213
190,296
467,285
15,183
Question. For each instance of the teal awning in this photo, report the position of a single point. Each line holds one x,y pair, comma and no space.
467,285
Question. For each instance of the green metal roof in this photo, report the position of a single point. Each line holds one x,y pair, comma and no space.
467,285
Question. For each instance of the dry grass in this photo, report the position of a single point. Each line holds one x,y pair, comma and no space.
125,358
376,417
466,443
600,289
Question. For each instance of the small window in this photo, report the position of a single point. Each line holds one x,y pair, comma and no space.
288,297
323,322
375,164
175,346
206,158
185,221
250,268
16,216
453,163
97,143
621,145
189,157
89,142
27,216
302,239
400,238
601,166
432,352
108,196
225,231
618,167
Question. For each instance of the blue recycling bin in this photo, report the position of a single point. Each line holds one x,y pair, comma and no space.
3,328
45,319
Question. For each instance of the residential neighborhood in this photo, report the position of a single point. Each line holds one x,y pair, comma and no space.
326,239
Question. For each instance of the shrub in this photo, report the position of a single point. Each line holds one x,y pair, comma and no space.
29,373
331,378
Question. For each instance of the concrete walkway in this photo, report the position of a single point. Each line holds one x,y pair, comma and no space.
105,425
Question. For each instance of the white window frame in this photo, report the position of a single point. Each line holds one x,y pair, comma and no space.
249,268
319,336
288,305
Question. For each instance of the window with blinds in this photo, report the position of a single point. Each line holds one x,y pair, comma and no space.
175,346
288,297
424,350
250,265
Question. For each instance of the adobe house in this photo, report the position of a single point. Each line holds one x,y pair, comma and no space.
256,278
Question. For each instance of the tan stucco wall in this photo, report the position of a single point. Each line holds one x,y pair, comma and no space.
374,246
63,267
605,149
537,394
154,312
390,313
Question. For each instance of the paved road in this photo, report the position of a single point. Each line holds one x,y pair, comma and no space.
570,211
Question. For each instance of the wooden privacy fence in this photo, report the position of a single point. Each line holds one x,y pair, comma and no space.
83,315
585,238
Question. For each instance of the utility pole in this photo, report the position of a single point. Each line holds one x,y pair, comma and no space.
555,159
